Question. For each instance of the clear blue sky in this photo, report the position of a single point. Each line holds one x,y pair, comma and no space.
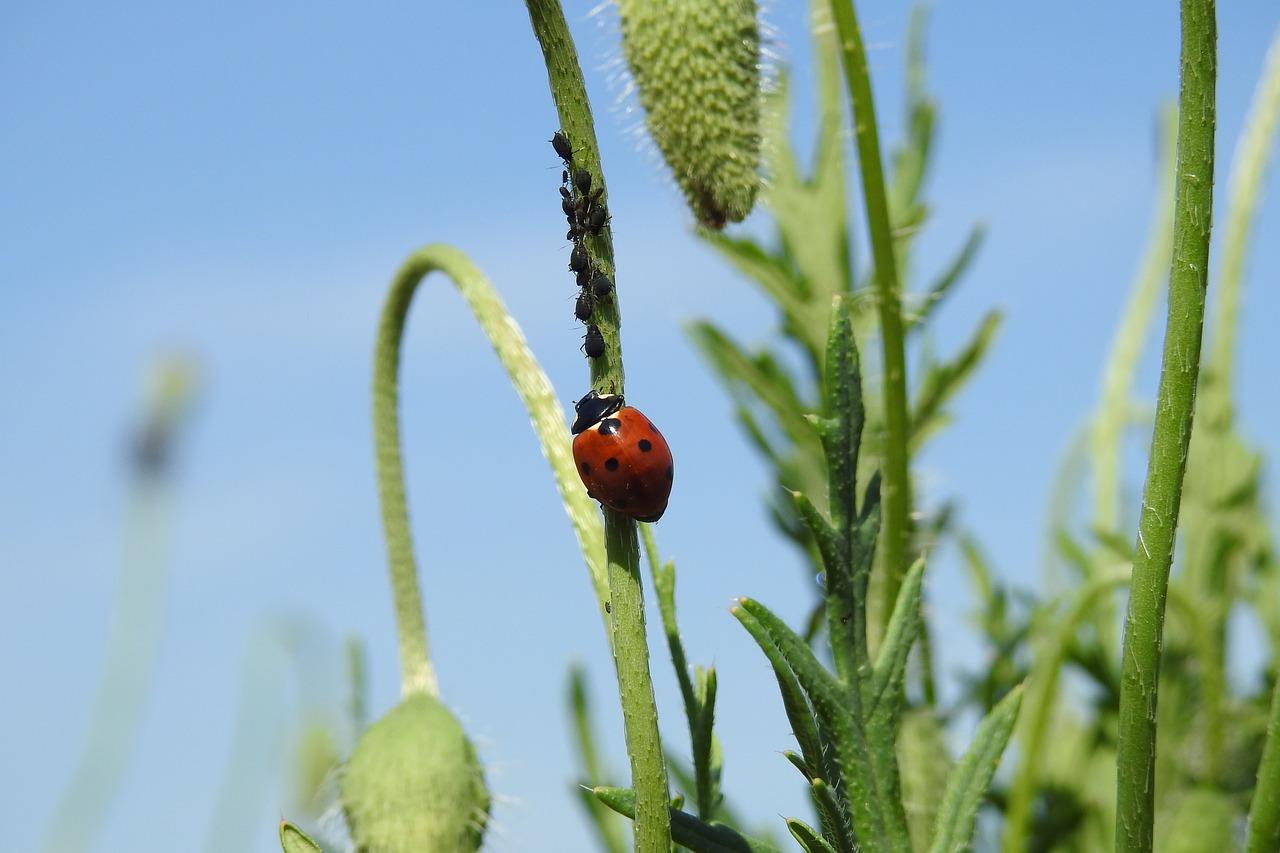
240,180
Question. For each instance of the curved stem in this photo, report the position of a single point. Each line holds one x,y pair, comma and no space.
896,490
416,672
1180,368
535,391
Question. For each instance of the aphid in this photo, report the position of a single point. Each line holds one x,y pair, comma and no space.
623,460
601,287
593,342
582,180
582,308
578,259
563,149
597,219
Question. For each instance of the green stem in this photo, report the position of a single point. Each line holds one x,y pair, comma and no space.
1136,752
416,672
535,391
626,595
896,491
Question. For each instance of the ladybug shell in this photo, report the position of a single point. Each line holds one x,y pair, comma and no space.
625,463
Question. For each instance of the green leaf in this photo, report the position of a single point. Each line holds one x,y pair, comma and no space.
591,771
972,776
941,381
1264,811
925,765
809,839
918,314
687,830
294,840
891,663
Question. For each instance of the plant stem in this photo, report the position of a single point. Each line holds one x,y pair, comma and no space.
416,672
545,413
626,595
896,489
1136,752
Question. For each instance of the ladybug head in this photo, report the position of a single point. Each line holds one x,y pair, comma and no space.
594,408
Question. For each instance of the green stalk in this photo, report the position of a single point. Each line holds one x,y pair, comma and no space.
626,595
416,673
1162,494
535,391
896,489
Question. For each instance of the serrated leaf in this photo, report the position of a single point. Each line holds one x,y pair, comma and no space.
972,776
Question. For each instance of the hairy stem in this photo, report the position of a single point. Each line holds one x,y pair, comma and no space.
626,595
1161,498
896,489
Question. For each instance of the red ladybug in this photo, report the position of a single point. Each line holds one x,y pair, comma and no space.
623,460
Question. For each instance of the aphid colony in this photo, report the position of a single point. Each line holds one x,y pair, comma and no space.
586,215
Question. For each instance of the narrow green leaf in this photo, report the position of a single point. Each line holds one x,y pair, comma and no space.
794,703
591,770
818,684
809,839
891,663
925,765
1264,811
941,381
972,776
294,840
917,315
834,813
824,535
687,830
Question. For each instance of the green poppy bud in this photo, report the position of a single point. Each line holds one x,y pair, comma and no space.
413,783
696,64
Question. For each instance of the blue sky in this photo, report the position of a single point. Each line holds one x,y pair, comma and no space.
239,181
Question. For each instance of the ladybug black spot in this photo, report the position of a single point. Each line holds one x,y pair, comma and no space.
609,426
586,469
645,445
611,464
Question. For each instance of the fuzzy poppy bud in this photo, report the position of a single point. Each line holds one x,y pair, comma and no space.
696,64
413,783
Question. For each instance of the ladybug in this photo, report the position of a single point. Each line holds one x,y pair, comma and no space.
623,460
